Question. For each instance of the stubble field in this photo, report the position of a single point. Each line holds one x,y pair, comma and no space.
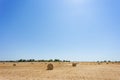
61,71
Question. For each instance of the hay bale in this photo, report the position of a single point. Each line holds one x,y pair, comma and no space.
14,64
107,63
50,66
99,63
74,64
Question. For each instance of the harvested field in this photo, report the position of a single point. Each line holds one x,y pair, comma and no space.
61,71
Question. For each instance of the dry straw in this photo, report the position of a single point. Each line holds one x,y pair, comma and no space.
14,64
74,64
50,66
99,63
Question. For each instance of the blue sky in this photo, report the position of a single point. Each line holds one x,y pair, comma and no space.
84,30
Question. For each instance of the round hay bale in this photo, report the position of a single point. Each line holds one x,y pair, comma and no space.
74,64
14,64
99,63
107,63
50,66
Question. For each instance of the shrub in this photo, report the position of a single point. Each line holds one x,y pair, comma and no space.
57,60
50,66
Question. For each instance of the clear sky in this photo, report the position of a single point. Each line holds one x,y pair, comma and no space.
85,30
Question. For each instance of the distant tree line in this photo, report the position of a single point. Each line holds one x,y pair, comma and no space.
53,60
33,60
105,61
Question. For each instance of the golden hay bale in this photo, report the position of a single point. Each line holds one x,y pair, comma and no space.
99,63
50,66
107,63
74,64
14,64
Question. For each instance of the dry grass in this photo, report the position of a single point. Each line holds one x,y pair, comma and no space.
63,71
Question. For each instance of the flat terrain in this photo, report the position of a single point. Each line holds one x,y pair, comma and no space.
61,71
